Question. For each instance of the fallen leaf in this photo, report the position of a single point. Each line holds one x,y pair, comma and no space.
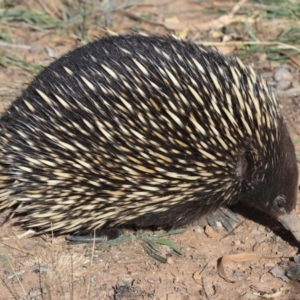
239,258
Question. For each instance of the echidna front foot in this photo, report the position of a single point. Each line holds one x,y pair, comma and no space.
97,236
223,215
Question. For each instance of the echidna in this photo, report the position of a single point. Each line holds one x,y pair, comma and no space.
144,130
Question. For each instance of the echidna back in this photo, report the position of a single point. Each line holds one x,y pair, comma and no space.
126,127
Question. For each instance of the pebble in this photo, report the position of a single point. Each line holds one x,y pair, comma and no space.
283,77
293,92
249,296
30,245
256,232
283,85
199,230
170,261
219,224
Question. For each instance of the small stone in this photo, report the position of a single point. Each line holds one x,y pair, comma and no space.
199,230
36,49
170,261
30,245
197,276
283,74
219,224
283,85
249,296
256,232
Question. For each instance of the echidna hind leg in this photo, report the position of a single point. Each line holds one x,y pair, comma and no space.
97,236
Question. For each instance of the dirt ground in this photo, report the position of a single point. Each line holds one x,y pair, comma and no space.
48,267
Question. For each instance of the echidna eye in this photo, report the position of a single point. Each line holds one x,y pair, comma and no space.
279,203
